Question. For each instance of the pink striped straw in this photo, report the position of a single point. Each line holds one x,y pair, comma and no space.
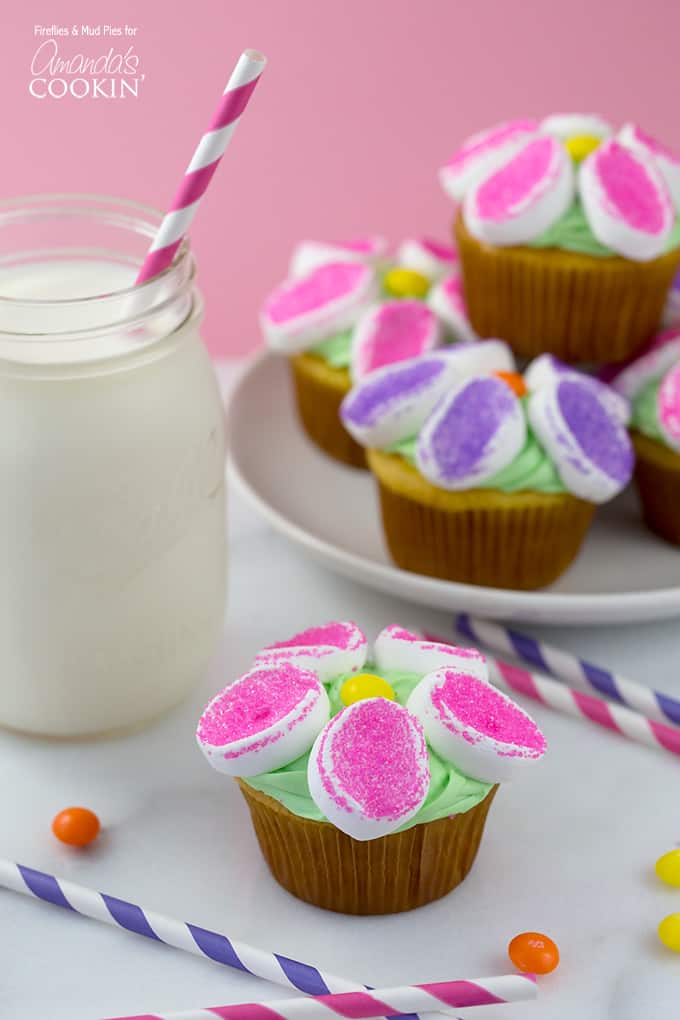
376,1003
204,162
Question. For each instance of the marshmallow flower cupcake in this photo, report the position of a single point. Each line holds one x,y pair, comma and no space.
347,309
652,384
368,774
489,478
568,234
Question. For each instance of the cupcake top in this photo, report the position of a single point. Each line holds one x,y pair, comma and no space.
568,182
651,382
485,426
358,307
372,742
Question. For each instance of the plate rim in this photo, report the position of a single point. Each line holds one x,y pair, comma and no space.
543,606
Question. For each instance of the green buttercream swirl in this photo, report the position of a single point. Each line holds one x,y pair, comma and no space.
336,349
644,412
572,232
450,792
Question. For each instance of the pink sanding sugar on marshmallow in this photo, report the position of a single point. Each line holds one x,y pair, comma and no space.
369,770
265,719
328,300
660,354
668,407
482,153
430,258
309,255
524,196
447,301
626,201
391,332
399,649
328,650
666,161
476,727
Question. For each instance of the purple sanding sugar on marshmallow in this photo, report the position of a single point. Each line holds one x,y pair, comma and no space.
601,439
371,400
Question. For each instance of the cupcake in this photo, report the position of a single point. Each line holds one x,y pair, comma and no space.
652,384
488,477
368,774
568,235
347,309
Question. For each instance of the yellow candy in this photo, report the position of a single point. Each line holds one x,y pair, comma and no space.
580,146
365,685
404,283
669,932
668,868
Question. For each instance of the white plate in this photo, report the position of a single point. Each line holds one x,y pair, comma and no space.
622,574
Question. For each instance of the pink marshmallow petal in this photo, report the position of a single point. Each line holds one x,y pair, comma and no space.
328,650
482,153
524,196
300,313
476,727
626,201
399,649
393,331
265,719
447,301
429,258
369,768
668,407
477,430
658,356
309,255
665,160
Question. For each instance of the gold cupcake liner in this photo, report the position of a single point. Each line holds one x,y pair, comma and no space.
519,540
657,477
320,389
322,865
579,307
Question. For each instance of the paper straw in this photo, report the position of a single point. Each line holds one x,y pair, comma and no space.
119,913
586,706
569,668
358,1005
204,162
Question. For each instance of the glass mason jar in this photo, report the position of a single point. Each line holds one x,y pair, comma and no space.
112,580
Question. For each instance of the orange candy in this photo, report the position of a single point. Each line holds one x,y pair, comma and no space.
533,953
76,826
514,381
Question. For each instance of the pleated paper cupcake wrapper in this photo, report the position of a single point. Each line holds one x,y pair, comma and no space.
320,864
657,477
521,540
578,307
319,390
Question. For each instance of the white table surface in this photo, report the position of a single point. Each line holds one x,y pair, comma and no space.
568,850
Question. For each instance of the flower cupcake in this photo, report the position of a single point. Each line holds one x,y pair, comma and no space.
347,309
652,384
368,773
568,235
491,479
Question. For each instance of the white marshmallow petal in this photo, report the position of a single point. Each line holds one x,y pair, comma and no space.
666,161
393,331
429,258
309,255
328,650
660,354
482,153
571,125
399,649
447,301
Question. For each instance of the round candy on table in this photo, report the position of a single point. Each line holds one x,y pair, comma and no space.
76,826
534,953
365,685
669,932
668,868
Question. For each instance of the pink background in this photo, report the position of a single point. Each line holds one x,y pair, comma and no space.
361,102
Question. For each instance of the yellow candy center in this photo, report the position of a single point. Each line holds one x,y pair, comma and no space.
580,146
365,685
405,283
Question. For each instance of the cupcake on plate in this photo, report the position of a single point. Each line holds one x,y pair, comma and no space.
347,309
368,773
652,384
493,478
568,234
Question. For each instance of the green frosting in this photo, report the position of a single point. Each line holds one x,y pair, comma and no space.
336,349
531,470
450,793
572,233
644,413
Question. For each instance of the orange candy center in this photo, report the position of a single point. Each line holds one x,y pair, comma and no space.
514,380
